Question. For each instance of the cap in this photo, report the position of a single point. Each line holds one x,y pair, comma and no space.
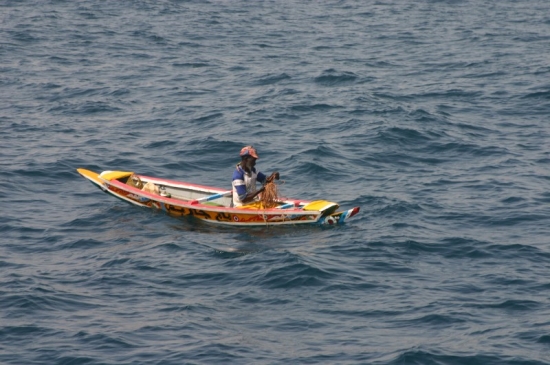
249,151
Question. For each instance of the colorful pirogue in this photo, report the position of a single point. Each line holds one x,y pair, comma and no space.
212,204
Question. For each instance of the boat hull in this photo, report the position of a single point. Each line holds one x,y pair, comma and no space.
212,204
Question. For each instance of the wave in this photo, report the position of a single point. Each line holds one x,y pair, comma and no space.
422,357
331,77
294,272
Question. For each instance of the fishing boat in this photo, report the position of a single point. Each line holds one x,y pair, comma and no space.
211,204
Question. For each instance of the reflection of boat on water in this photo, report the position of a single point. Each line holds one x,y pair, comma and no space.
212,204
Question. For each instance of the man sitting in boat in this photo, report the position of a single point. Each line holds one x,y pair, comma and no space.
245,177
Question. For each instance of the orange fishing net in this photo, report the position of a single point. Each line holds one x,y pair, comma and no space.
270,195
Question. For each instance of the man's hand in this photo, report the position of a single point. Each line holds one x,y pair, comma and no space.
274,175
250,196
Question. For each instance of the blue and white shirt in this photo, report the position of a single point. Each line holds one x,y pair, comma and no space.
244,183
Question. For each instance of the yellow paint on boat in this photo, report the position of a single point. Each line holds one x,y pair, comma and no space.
90,175
321,205
115,175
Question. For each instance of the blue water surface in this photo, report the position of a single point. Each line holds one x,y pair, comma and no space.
433,116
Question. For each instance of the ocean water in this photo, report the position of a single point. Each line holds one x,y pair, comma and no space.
432,116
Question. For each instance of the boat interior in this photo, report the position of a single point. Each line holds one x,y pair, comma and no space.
191,193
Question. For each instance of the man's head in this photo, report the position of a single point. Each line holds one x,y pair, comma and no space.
249,151
248,158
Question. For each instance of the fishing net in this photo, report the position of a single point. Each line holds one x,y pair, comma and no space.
270,196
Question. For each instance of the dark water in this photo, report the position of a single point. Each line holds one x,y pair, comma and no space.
433,116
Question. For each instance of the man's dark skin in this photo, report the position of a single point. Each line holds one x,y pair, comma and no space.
247,163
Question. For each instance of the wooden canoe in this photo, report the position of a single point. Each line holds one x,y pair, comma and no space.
212,204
